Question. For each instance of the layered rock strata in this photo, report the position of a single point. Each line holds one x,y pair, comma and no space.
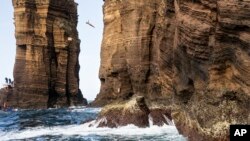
5,97
46,67
135,58
188,55
211,67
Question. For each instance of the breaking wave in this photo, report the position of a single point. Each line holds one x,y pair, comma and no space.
74,124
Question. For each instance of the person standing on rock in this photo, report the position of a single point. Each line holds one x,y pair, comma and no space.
9,81
6,80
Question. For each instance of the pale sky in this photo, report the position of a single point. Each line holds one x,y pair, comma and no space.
90,44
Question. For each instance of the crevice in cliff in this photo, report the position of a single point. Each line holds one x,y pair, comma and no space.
53,95
150,48
22,47
102,80
52,66
67,79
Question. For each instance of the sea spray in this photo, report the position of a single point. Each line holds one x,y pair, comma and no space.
64,126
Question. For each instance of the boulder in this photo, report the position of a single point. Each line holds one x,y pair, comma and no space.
134,111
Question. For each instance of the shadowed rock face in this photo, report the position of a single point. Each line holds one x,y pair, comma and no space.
46,67
5,97
192,55
211,67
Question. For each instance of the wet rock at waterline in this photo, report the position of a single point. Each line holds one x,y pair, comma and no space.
133,111
161,116
46,72
6,95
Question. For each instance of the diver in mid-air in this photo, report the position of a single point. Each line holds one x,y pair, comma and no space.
90,24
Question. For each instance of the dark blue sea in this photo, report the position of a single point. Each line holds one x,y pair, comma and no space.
72,124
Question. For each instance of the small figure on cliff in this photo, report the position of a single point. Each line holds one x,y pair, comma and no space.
9,81
6,80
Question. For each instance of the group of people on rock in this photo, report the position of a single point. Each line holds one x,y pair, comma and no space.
8,81
4,93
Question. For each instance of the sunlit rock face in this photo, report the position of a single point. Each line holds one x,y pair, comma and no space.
46,69
191,55
135,56
211,67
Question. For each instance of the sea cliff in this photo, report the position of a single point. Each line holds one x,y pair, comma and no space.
188,56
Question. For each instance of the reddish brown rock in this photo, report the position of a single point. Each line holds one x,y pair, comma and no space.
134,43
46,72
190,55
161,116
5,97
211,73
134,111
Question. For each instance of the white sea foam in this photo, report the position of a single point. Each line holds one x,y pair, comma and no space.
90,130
82,109
170,122
150,120
85,130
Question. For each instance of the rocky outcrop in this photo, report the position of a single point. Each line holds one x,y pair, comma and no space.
134,111
5,97
190,55
46,67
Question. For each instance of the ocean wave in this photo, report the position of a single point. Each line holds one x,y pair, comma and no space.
77,131
129,132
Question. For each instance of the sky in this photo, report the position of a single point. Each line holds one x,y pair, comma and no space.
90,44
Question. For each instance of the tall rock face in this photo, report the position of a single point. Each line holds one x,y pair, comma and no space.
135,56
46,67
190,55
211,67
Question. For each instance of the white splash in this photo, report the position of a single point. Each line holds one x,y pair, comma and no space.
83,109
95,123
150,120
170,122
85,130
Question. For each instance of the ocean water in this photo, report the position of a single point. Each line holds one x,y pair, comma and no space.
72,124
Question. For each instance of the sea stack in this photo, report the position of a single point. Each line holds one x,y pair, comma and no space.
46,72
188,57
